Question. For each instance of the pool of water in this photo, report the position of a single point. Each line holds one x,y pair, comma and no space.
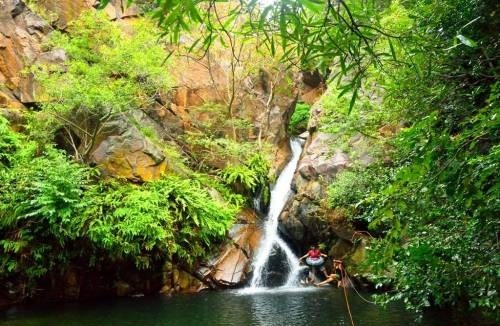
268,308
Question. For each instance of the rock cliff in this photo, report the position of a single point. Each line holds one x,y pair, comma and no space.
307,218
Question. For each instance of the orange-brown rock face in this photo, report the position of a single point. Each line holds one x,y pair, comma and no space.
208,81
68,10
196,82
232,266
21,35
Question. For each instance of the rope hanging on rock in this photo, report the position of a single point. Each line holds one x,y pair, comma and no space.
343,277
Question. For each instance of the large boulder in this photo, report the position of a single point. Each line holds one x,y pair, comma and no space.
232,267
123,150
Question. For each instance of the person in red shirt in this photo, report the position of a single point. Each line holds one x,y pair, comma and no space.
314,258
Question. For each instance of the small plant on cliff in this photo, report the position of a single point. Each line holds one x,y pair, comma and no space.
299,119
248,177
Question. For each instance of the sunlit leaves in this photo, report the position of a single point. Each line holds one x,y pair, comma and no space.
107,73
54,212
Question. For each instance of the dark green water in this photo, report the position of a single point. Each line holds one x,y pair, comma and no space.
312,307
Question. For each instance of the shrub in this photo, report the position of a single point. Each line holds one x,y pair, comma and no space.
299,119
107,73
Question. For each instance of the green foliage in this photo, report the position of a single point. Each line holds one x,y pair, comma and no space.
248,177
41,11
170,218
40,194
307,33
426,65
108,72
240,175
9,142
299,119
214,183
354,191
435,206
53,213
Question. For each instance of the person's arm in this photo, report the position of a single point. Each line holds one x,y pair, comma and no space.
304,256
328,280
324,255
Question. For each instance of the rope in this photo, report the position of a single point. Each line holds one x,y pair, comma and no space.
343,274
362,298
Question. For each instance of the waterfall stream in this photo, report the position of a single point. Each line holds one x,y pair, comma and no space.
271,240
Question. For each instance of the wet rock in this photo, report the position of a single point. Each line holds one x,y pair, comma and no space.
166,290
72,284
231,269
176,280
232,266
304,135
122,289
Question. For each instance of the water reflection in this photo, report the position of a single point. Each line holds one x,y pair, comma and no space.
277,307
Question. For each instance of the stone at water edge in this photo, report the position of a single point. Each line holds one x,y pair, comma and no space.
122,289
233,264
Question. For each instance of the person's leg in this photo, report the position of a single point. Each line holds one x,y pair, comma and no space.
323,269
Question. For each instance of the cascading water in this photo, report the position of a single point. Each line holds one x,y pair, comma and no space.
271,239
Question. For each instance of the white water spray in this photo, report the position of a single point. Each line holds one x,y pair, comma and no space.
279,195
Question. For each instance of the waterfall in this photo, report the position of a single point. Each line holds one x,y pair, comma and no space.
271,239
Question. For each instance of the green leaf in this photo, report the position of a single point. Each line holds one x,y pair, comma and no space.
103,4
353,100
314,6
466,41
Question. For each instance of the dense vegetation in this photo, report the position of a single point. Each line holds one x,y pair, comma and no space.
77,105
434,207
427,71
417,79
57,213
